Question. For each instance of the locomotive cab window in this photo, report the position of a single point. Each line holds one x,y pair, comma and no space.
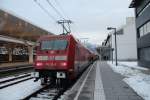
60,45
54,45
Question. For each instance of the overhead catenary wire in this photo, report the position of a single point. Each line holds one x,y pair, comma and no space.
46,11
55,9
53,18
61,8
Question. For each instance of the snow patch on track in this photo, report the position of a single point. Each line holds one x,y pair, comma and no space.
19,91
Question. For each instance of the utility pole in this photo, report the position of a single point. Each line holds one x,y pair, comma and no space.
111,49
115,33
65,23
116,46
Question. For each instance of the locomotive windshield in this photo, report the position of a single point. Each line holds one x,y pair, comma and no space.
54,45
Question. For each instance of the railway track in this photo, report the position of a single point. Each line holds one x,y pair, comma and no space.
14,80
47,92
52,91
8,69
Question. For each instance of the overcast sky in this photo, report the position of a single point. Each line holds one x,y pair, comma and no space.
90,17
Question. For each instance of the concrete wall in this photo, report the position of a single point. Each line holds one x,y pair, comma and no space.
126,42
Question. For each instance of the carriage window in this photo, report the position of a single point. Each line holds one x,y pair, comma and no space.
54,45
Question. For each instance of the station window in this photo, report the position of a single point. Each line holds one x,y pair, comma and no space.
145,29
148,26
141,31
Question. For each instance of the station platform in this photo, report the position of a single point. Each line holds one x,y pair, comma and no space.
101,83
13,65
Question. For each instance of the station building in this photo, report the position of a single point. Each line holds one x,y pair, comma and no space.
106,50
17,38
142,13
126,42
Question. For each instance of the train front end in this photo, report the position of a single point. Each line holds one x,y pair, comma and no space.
51,61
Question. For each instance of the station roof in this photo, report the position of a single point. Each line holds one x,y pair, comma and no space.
13,26
107,39
134,3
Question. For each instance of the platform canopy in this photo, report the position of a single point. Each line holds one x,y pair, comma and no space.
13,26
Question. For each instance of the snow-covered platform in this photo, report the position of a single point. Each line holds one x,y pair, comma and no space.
100,82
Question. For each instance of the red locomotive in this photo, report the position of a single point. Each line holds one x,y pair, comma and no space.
60,57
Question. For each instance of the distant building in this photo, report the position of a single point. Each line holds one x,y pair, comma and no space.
105,50
142,13
126,41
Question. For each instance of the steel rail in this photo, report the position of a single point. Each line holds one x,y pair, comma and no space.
4,86
15,78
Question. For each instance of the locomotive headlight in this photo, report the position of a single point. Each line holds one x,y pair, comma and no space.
39,64
63,64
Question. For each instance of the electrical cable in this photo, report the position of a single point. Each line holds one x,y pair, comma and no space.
61,8
52,17
50,4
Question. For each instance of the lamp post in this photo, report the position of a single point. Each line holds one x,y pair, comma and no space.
115,31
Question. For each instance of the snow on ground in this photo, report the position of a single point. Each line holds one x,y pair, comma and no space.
125,70
134,77
140,84
7,83
132,64
19,91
